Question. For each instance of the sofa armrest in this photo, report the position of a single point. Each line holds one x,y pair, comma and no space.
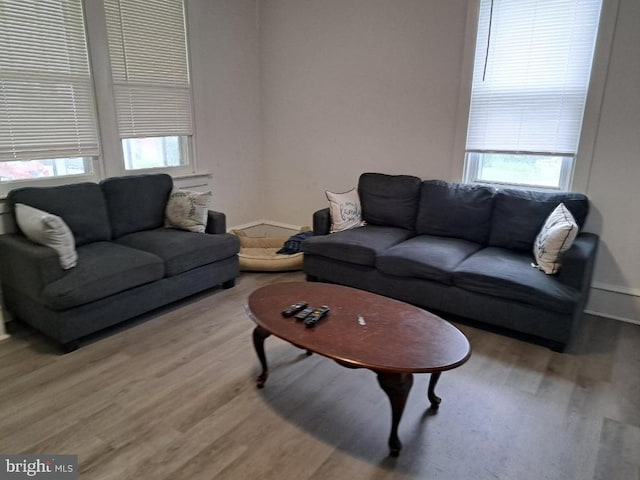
26,266
577,262
216,222
322,222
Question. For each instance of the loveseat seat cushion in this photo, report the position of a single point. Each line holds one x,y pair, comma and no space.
389,200
81,205
358,245
103,269
136,202
426,256
518,215
181,250
455,210
505,273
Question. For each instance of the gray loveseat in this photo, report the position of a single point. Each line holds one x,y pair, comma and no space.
128,262
459,249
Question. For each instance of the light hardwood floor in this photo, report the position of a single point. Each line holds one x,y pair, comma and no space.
172,396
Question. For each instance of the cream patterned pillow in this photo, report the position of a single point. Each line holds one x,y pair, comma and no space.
345,210
49,230
188,210
556,236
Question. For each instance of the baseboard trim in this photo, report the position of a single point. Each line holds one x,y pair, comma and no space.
282,225
245,225
4,317
615,302
264,221
612,317
608,287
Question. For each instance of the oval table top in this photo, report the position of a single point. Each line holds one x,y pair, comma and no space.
363,329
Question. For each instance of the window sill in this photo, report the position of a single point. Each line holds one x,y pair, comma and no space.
192,175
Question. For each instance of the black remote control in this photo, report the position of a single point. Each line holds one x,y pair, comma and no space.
293,309
315,316
304,313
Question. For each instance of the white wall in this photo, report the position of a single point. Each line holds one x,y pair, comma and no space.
355,85
614,180
373,85
225,68
306,95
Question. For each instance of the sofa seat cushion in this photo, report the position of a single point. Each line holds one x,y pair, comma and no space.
181,250
359,245
508,274
103,269
426,256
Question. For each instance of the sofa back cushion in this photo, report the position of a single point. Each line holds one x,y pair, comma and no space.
455,210
518,215
81,205
136,202
389,200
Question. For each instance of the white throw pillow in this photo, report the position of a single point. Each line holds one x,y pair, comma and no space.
556,236
188,210
345,210
49,230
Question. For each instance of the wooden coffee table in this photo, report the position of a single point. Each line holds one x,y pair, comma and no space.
363,330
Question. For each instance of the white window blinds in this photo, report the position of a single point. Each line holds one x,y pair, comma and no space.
531,74
47,106
148,51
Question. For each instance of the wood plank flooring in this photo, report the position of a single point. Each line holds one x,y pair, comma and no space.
172,396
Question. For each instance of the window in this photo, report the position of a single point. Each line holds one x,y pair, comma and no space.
52,167
149,152
47,111
531,75
149,66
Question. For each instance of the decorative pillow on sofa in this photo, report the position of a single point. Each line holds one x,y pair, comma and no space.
556,236
188,210
345,210
49,230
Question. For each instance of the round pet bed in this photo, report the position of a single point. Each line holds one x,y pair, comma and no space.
258,254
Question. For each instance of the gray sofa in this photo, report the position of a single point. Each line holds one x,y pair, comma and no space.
128,262
459,249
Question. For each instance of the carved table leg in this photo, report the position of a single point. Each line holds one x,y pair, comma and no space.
433,398
397,387
259,335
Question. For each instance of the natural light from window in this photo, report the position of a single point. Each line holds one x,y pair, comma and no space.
31,169
523,170
155,152
530,80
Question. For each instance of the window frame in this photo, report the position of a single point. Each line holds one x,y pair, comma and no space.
583,160
110,159
86,124
472,168
188,148
185,152
514,108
